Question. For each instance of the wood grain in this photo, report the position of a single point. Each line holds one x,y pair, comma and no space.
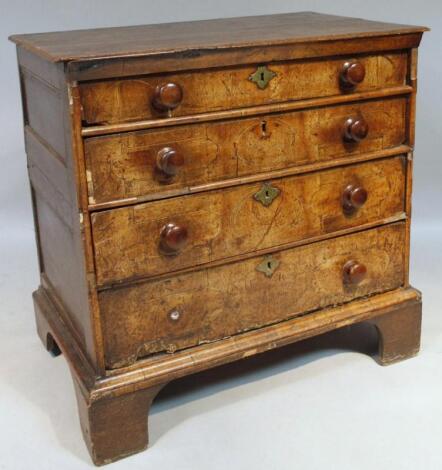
124,166
115,101
49,176
115,427
98,130
52,163
158,368
43,110
399,333
229,222
224,301
219,34
84,70
394,313
295,170
187,216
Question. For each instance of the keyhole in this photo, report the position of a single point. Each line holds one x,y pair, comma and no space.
269,265
264,128
262,76
267,193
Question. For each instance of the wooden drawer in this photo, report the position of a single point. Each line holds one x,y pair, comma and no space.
137,164
224,223
194,92
199,307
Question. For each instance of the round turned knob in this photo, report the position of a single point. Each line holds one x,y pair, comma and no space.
168,163
173,238
352,73
353,198
354,273
355,129
167,96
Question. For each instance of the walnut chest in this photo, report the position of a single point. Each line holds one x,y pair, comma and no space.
210,190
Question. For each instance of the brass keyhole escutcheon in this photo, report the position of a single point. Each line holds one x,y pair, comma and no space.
262,76
267,194
268,266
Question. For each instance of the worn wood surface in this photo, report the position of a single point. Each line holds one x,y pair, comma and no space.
49,175
52,164
160,368
130,66
399,333
261,110
229,222
220,302
145,281
43,106
266,30
114,428
49,73
114,101
149,374
268,175
56,335
124,166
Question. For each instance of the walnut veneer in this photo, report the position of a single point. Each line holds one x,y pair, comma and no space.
207,191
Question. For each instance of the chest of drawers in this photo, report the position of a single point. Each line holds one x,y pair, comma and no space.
207,191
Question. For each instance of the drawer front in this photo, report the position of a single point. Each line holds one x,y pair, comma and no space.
194,92
209,305
168,235
152,162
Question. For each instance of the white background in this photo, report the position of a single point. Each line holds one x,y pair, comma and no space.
320,404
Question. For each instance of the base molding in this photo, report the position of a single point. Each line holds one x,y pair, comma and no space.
114,408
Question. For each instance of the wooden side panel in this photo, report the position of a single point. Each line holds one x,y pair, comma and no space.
44,111
50,73
124,166
49,176
125,100
61,271
230,222
223,301
51,164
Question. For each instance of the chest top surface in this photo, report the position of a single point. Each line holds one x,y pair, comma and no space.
227,33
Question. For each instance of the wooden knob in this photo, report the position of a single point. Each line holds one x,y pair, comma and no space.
352,73
167,96
353,198
168,163
354,273
173,238
355,129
